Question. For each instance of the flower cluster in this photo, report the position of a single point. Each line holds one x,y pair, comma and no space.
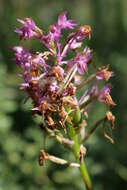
52,80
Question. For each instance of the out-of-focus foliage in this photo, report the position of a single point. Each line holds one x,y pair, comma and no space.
20,136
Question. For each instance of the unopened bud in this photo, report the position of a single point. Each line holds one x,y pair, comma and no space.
77,115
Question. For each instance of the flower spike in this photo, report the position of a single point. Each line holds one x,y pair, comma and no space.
62,88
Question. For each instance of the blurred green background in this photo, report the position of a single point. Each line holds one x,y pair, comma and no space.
20,137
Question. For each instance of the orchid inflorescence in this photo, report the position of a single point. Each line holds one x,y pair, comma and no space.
52,80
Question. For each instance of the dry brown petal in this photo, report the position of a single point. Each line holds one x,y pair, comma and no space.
70,101
62,113
44,105
46,54
82,130
50,121
110,117
82,153
43,157
83,124
108,100
85,30
85,113
108,137
35,72
53,95
107,74
71,90
33,83
63,126
56,71
47,106
33,96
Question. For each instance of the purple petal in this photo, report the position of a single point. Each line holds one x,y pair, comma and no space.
28,30
106,89
63,23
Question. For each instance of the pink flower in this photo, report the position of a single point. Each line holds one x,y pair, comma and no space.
37,60
22,57
28,30
63,23
103,73
54,33
82,60
105,90
104,95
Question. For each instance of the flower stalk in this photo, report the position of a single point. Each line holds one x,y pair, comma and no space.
76,150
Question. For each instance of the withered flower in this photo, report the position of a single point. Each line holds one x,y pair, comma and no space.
104,73
82,153
58,72
108,100
104,96
85,30
110,118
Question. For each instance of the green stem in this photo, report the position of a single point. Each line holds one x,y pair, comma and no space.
76,150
